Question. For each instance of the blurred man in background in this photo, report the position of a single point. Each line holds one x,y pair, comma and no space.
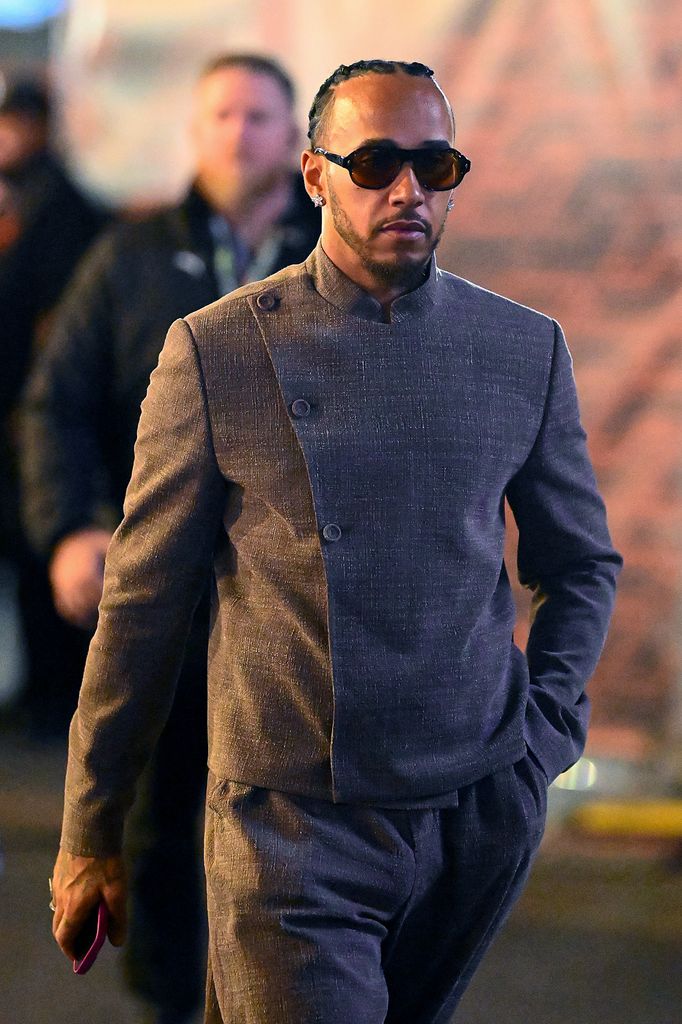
245,216
45,226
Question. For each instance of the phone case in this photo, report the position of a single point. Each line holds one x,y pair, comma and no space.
98,923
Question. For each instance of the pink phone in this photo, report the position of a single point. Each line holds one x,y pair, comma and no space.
91,938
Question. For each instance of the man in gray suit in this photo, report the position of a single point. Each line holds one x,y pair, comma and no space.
338,442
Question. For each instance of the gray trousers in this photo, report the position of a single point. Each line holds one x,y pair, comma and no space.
324,913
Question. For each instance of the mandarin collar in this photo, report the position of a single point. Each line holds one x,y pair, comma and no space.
338,289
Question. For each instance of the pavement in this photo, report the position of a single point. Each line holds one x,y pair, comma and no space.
596,938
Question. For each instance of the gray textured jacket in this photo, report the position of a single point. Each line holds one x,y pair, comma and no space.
346,477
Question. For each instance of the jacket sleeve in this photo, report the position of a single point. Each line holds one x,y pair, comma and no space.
57,227
19,314
566,558
156,569
62,463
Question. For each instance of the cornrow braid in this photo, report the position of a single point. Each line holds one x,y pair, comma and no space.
320,109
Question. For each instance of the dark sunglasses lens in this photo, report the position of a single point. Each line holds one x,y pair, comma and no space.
437,171
374,168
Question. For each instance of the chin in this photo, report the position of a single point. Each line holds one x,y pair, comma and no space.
406,251
407,259
400,270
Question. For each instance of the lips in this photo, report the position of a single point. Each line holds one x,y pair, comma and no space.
407,227
410,230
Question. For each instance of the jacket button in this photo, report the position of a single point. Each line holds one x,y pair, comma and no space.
300,407
266,301
331,532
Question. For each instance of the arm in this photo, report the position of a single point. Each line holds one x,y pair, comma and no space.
156,570
65,404
566,558
17,326
62,461
55,227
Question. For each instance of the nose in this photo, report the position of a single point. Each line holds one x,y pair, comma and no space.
240,128
235,129
405,189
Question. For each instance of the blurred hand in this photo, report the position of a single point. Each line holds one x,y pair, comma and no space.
78,885
77,575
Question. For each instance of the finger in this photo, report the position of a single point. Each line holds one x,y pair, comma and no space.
83,615
76,611
65,608
68,929
89,604
118,918
55,900
92,594
117,931
83,598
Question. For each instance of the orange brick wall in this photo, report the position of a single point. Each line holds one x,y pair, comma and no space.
572,118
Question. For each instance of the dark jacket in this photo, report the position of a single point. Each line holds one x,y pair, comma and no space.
83,403
346,477
56,223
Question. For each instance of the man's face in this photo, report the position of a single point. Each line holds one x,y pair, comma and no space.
243,131
391,232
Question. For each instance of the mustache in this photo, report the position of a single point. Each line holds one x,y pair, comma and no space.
428,231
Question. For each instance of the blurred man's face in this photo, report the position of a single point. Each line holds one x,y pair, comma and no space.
391,232
20,138
243,131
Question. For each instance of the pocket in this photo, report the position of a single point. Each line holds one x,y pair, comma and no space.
533,782
536,763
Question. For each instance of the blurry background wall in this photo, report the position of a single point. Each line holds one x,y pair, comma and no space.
570,114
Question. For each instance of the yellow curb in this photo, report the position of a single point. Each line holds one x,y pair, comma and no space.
651,818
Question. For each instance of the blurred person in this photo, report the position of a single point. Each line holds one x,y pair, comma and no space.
337,441
245,215
46,224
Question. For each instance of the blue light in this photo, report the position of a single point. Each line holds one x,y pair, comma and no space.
28,13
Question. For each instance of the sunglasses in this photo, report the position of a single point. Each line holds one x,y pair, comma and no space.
436,170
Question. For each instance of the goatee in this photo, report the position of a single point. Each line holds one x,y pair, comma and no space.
405,275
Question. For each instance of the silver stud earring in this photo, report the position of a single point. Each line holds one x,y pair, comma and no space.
318,200
451,204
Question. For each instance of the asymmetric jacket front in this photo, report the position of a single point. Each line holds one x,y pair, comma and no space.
345,480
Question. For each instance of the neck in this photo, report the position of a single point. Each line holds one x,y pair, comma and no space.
251,214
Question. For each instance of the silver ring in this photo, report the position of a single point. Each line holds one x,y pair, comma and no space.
51,903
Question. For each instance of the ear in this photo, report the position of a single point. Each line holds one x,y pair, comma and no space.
311,169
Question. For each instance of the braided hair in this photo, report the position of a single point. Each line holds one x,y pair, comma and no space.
318,117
